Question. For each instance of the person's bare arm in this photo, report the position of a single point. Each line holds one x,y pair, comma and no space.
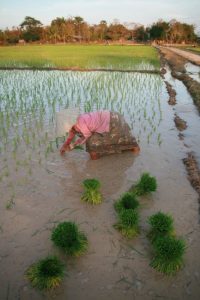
66,146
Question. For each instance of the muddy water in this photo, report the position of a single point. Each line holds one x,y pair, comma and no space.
188,112
193,71
113,268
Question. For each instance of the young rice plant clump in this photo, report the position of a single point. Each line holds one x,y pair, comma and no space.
168,257
145,185
92,193
67,237
127,201
46,274
161,225
128,223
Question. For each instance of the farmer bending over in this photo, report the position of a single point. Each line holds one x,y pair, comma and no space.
104,132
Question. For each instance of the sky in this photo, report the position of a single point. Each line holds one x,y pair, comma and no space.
13,12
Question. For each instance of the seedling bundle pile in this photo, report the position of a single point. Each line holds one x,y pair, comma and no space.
145,185
68,237
47,273
92,194
168,250
126,209
161,225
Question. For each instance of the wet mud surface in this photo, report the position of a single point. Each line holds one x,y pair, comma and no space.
180,66
113,268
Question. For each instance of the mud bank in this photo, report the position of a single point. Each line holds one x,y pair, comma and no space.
172,93
180,123
79,70
177,65
178,70
193,173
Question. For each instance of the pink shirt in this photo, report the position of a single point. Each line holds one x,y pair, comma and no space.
88,123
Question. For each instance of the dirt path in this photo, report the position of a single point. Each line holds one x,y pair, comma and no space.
194,58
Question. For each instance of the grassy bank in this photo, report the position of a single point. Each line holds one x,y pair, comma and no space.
81,56
195,50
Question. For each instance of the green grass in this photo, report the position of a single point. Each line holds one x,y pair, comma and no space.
81,56
195,50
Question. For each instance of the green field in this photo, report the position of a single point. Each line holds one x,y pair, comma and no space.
80,56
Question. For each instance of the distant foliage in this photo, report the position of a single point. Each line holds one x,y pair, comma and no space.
75,29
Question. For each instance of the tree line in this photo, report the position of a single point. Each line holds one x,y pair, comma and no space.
76,29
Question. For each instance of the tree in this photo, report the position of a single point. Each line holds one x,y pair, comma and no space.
102,28
78,22
117,31
159,30
31,29
60,29
70,30
141,34
182,32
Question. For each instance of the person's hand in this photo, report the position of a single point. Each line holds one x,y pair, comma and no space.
64,148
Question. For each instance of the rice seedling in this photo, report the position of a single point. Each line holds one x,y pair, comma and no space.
127,201
145,185
128,223
161,225
10,202
168,257
46,274
29,101
68,238
91,194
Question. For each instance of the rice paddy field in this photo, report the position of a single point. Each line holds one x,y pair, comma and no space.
80,56
40,188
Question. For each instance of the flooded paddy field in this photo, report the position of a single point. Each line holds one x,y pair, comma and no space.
40,188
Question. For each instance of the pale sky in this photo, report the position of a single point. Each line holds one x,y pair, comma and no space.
13,12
